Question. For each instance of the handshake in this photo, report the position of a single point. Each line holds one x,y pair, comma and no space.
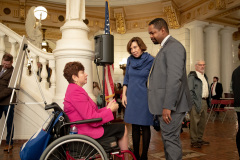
113,105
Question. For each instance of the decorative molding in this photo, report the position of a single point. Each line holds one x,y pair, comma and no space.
220,4
172,16
120,20
22,11
198,12
228,12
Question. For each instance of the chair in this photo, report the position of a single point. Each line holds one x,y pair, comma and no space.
228,95
218,109
228,106
75,146
214,104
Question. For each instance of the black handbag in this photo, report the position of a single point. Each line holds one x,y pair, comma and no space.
156,123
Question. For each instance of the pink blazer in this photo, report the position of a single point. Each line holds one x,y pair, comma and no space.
79,106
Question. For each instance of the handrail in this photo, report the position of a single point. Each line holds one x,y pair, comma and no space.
37,55
37,51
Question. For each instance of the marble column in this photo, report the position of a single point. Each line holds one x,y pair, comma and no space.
212,51
2,45
226,57
74,46
196,42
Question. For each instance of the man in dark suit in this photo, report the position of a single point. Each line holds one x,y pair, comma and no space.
216,89
168,93
6,70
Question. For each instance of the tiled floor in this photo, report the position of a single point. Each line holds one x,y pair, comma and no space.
220,135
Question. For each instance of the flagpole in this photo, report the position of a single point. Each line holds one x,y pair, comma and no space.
104,101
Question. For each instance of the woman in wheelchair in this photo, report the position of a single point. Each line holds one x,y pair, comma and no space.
79,106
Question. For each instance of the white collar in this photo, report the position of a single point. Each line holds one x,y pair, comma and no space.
165,39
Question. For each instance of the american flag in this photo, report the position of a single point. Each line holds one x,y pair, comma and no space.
109,69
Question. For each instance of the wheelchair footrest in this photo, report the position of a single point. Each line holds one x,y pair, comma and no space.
109,144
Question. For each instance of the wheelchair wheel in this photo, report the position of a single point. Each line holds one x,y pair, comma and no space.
74,147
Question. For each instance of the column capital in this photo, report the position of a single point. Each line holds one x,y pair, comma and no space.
2,34
213,27
228,29
195,24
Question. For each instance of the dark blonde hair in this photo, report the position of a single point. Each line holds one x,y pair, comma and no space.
72,68
140,43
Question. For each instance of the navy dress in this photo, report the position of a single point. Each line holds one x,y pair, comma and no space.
135,79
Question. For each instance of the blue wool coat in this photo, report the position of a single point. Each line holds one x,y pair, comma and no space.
135,79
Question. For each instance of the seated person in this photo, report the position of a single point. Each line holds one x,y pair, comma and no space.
79,106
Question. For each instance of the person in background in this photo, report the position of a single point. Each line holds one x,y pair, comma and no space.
6,70
96,89
236,94
199,90
79,106
134,96
118,95
216,89
97,93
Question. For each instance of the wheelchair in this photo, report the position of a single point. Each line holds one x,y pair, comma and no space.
63,146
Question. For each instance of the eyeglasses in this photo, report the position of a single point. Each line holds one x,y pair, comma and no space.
201,65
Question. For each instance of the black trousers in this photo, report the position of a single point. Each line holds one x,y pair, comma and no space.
238,134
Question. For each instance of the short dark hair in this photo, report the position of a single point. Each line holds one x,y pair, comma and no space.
7,57
140,43
159,23
72,68
216,78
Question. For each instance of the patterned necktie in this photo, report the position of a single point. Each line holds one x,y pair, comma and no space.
1,73
212,88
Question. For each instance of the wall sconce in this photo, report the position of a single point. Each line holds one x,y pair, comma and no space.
123,65
40,13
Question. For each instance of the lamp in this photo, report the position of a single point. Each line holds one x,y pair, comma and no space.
40,13
123,65
45,45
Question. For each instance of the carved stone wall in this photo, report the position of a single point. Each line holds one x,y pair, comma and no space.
122,20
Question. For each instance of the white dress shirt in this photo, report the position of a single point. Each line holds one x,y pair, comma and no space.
165,39
213,89
205,91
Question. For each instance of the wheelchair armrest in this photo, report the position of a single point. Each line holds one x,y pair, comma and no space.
83,121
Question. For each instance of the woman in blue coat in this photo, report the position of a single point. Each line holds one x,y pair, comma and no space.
134,96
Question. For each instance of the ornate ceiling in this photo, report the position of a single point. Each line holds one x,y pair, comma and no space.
126,15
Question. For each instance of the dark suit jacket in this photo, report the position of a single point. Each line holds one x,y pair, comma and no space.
218,90
168,86
5,92
236,86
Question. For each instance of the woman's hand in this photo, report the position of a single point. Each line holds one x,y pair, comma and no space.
124,97
124,100
110,103
113,105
